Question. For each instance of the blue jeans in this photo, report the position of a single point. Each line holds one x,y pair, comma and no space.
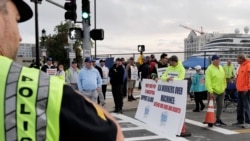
243,107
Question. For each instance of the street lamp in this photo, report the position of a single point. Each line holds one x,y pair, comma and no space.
43,48
43,33
36,2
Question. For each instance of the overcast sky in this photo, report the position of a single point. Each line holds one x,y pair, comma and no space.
154,23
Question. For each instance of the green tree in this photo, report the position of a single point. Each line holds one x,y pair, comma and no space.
77,47
55,44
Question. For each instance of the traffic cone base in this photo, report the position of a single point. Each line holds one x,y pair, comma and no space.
210,116
184,132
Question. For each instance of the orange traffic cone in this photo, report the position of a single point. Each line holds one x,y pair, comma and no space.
184,132
210,116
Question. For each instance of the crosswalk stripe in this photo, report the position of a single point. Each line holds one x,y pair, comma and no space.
121,121
216,129
242,130
159,134
143,138
132,128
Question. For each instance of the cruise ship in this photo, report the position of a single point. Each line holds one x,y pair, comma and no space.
227,46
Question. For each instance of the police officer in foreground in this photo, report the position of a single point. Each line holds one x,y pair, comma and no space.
37,107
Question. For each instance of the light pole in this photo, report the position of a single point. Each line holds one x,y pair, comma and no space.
43,48
36,31
86,28
95,23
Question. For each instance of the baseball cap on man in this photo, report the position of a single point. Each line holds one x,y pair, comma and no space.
198,67
24,10
215,57
49,59
102,60
88,59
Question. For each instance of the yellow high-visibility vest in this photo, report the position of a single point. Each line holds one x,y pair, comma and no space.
140,59
30,103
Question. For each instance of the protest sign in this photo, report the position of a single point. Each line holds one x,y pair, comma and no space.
163,105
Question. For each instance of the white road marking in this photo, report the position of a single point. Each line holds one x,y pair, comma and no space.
122,121
132,128
214,128
228,110
143,138
159,134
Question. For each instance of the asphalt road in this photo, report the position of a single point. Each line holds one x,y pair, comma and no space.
135,130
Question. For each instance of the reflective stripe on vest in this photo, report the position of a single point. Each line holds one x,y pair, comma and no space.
26,104
5,66
53,109
31,109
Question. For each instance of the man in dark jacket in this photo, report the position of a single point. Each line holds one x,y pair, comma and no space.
48,65
144,69
124,85
116,79
163,63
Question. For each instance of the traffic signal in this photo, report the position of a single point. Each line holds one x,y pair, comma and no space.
85,10
97,34
141,48
70,14
75,33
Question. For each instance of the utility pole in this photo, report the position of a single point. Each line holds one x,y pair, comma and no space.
37,33
96,34
86,40
95,24
86,29
71,50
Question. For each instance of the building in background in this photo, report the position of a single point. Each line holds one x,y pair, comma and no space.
195,42
26,53
227,45
26,50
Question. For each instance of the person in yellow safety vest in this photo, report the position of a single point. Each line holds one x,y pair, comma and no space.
175,70
215,82
140,59
36,106
229,71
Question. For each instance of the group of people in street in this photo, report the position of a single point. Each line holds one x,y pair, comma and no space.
51,67
216,81
92,79
77,77
213,84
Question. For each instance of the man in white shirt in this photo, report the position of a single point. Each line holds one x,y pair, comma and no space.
72,75
105,79
132,76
